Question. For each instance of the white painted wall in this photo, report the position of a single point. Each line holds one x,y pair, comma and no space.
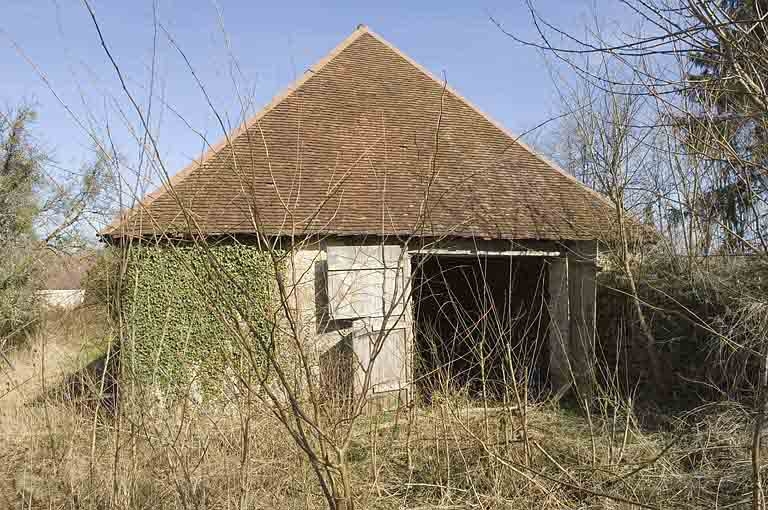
63,299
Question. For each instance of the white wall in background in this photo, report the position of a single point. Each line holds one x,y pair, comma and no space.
65,299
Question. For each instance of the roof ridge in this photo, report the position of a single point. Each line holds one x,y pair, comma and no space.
212,150
517,139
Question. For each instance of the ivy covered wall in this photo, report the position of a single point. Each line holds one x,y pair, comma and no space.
183,306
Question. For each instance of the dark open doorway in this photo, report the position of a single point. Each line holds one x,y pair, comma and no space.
480,322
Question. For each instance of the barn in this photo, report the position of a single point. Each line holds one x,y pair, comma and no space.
405,210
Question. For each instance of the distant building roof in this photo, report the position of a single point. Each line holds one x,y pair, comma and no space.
66,272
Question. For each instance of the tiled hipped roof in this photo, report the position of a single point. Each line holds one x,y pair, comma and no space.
367,142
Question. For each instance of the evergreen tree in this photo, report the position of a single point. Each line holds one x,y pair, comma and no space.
20,171
730,126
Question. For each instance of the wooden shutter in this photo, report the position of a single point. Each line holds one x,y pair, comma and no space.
363,281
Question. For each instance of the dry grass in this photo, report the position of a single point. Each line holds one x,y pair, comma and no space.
450,454
443,462
67,341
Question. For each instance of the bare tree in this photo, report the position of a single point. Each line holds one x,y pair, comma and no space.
700,68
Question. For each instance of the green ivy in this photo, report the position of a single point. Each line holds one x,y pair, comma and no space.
183,306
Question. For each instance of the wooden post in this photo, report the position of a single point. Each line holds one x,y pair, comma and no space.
559,326
582,290
572,311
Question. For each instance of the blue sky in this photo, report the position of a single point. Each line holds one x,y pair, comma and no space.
273,42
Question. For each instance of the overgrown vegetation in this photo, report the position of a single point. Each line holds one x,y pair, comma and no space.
453,452
20,171
178,312
41,210
677,420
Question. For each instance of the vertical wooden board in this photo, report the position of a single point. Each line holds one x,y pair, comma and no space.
388,371
583,296
389,366
559,323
